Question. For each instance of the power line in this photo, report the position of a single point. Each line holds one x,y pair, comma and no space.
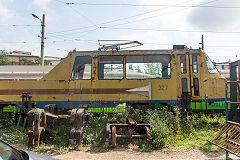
210,46
170,30
150,17
87,31
155,5
25,45
19,25
24,42
146,43
119,19
83,16
139,15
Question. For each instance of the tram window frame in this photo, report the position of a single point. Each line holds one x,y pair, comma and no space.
194,64
183,64
112,59
196,86
146,58
184,85
86,60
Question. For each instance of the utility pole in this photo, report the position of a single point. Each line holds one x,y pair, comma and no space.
202,43
42,40
42,37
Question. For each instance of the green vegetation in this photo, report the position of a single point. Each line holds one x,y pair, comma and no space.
35,62
3,58
46,62
5,61
168,131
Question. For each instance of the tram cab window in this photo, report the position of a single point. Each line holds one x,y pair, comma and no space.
211,67
194,64
148,66
82,68
183,64
110,67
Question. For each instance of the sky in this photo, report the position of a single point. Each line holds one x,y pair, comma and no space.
158,24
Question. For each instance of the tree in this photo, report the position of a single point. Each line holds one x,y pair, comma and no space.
4,58
46,62
27,61
37,61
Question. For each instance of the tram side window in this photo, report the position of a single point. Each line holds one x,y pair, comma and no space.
183,64
194,66
211,67
110,67
82,68
196,86
184,85
148,66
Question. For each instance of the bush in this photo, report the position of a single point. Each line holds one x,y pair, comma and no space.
94,132
160,133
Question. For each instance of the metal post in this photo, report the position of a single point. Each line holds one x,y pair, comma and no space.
42,40
233,90
202,43
226,110
226,98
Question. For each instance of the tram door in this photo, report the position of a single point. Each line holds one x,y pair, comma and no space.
189,74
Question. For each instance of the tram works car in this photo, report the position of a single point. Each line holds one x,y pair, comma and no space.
105,79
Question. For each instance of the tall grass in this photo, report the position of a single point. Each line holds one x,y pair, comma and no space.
168,130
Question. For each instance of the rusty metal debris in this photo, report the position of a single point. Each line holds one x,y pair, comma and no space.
41,121
27,104
77,121
228,138
36,127
136,129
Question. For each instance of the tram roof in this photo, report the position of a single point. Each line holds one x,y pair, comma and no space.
136,51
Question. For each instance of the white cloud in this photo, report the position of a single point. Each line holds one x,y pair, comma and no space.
5,14
41,3
215,18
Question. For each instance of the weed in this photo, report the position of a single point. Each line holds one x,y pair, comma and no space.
12,135
168,130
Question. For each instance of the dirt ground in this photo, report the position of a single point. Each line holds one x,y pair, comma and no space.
123,154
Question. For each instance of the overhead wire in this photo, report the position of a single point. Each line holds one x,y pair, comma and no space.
150,17
210,46
96,25
119,19
170,30
79,13
27,44
19,25
147,5
136,16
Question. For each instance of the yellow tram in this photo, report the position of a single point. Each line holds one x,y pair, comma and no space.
105,79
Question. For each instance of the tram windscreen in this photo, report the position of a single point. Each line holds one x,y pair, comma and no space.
82,68
148,66
211,67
